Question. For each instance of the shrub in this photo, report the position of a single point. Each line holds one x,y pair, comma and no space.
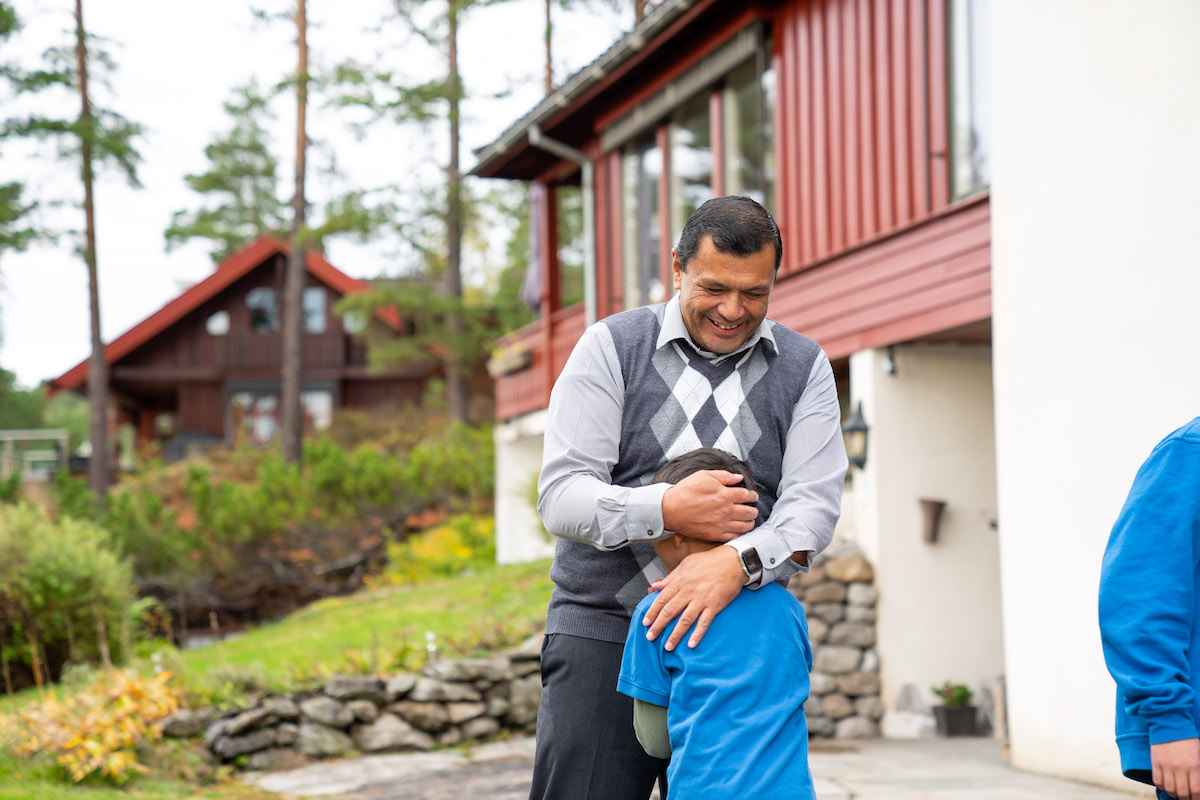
9,487
953,695
59,581
99,730
462,542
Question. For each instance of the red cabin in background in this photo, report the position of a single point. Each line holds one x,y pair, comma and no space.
206,366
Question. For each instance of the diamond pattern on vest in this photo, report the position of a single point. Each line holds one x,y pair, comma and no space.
699,414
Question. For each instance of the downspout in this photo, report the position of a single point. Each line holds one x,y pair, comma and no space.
539,140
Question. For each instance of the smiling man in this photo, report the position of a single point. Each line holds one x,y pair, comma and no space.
706,369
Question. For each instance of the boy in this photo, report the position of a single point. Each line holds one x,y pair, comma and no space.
1149,609
734,706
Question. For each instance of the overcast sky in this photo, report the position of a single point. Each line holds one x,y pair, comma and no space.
177,63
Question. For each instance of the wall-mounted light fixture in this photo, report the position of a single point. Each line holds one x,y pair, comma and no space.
855,430
932,511
889,362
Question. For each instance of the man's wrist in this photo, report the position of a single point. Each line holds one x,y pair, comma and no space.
748,560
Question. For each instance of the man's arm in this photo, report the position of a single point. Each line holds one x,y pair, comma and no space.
1147,603
576,498
800,526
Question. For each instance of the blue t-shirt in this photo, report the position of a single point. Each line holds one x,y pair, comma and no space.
735,703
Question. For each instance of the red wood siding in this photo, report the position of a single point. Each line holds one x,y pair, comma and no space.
855,126
934,276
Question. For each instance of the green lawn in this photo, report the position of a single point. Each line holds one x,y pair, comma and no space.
379,630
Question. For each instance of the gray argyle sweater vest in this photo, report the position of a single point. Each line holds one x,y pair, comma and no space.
676,401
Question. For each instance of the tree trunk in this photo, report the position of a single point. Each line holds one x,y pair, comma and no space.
292,422
34,661
8,687
102,640
97,367
549,61
456,377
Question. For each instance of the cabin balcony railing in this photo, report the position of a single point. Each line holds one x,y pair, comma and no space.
264,351
528,389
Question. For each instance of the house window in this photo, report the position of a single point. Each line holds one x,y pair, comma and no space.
318,409
691,161
217,324
354,322
748,107
570,243
255,413
641,174
264,309
314,309
970,134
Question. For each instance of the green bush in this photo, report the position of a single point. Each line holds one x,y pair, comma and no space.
9,487
463,542
60,583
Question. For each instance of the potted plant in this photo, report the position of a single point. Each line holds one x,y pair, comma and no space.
955,716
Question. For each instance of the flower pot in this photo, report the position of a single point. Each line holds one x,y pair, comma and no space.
956,720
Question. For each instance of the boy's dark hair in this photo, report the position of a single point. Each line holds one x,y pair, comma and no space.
681,466
738,225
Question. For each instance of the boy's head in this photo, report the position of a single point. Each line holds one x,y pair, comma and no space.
674,548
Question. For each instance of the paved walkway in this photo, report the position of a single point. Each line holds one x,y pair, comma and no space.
927,769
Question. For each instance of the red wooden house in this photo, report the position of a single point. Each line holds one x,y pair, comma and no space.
206,366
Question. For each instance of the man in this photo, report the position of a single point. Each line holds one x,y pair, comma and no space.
706,368
1149,607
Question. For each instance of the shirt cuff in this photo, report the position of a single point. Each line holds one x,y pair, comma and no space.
1171,727
639,517
773,551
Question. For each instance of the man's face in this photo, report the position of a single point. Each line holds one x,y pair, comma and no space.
724,297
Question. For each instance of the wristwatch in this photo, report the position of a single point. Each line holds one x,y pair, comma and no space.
750,561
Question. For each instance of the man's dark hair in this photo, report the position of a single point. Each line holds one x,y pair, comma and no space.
680,467
738,227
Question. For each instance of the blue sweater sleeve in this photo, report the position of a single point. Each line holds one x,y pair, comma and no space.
1148,589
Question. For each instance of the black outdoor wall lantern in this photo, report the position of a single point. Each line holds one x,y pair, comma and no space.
855,432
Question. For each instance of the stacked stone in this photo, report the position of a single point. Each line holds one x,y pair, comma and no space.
839,597
451,702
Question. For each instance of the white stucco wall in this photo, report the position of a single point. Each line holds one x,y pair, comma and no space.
930,436
1096,323
519,533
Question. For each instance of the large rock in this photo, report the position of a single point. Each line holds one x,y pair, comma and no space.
869,707
827,612
356,687
286,734
496,668
811,578
318,741
860,614
363,710
858,683
451,737
857,728
327,711
850,569
861,594
528,650
431,717
837,659
497,707
821,683
187,722
822,727
870,661
229,747
852,633
480,728
268,712
825,592
275,758
215,731
461,712
525,695
389,732
836,706
431,689
399,686
818,630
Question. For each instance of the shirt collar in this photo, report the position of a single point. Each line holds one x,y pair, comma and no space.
673,328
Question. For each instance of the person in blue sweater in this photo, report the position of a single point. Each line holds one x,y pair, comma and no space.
730,713
1150,618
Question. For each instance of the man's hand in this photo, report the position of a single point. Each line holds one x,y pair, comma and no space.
709,505
695,591
1177,768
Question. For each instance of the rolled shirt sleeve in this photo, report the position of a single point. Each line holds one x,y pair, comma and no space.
576,498
810,493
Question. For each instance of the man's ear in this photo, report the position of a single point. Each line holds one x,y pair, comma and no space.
676,271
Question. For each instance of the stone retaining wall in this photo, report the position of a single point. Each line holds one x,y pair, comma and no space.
458,701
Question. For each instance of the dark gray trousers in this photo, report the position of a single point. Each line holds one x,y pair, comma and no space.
586,747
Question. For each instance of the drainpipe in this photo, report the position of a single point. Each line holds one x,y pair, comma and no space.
538,139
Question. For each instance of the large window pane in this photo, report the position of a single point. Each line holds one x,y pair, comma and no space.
264,309
970,127
691,161
641,179
314,309
570,244
748,108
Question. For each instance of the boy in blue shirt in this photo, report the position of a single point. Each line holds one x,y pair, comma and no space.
734,706
1150,618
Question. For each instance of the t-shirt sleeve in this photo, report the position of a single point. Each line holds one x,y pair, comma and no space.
643,674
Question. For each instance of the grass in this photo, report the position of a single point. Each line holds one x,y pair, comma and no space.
379,630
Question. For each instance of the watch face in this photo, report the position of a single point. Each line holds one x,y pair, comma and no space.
750,561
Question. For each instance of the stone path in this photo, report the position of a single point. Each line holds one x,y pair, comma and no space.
926,769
